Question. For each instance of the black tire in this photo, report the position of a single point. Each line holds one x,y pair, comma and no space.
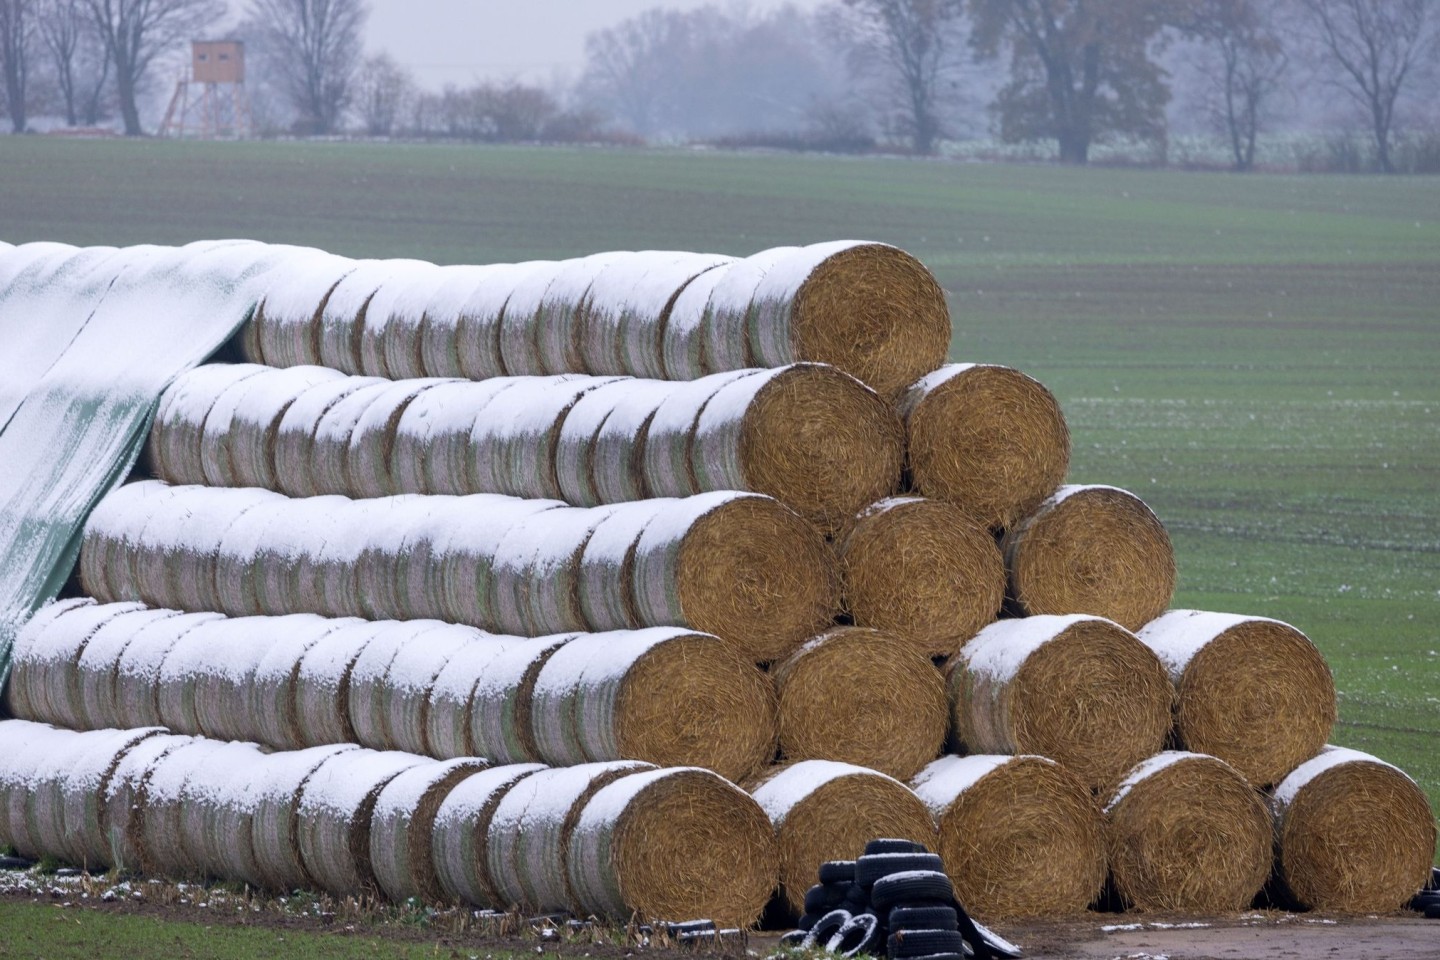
857,936
792,940
1434,883
905,944
807,921
837,871
823,898
857,899
892,845
920,886
924,918
995,946
825,928
15,863
690,926
873,866
1432,912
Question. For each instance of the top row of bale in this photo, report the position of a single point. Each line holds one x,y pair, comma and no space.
869,309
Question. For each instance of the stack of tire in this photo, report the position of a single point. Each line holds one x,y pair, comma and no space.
897,898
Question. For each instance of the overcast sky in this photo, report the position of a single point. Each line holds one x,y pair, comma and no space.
457,41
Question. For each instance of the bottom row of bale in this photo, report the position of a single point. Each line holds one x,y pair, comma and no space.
1020,836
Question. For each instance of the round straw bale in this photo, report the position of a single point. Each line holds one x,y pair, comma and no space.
327,578
500,720
157,834
367,698
461,560
666,457
986,438
175,445
108,545
212,798
84,786
1020,836
428,302
335,808
1080,690
1185,832
447,713
459,838
727,313
394,539
331,446
342,321
44,673
527,844
322,683
45,799
120,799
823,810
923,570
255,425
1097,550
137,671
607,566
599,457
401,696
370,457
478,329
514,438
679,842
861,696
273,707
432,448
400,297
682,340
740,566
284,330
94,678
1252,691
621,323
813,438
275,822
402,829
179,546
294,444
224,681
25,750
515,334
534,587
539,333
663,695
1355,834
214,443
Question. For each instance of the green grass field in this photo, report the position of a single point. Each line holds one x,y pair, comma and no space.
1256,356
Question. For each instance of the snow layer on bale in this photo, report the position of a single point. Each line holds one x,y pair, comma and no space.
657,556
512,441
322,682
405,690
515,331
111,534
778,795
138,695
282,777
402,828
96,668
426,303
256,421
174,447
366,702
545,546
23,745
330,449
272,685
683,340
474,527
607,591
368,459
227,824
500,707
82,787
260,552
477,337
527,844
286,325
343,319
381,313
998,652
174,549
668,441
393,531
432,450
1327,759
295,438
51,642
459,846
556,336
209,791
1148,768
447,726
162,845
729,314
225,681
713,454
946,778
597,453
1178,635
773,298
212,445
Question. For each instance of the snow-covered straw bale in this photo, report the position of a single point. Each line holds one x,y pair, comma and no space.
600,452
253,427
280,783
663,695
43,684
389,687
184,819
334,812
1080,690
986,438
174,445
120,810
137,670
154,829
1020,836
293,452
391,315
824,810
1091,549
448,707
527,845
740,566
537,328
284,329
678,842
862,696
425,312
1252,691
922,570
95,669
1355,834
1185,832
499,713
403,824
459,845
870,309
341,325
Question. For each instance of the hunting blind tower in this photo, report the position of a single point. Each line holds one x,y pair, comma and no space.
210,102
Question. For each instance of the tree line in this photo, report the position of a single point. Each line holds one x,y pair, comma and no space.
846,75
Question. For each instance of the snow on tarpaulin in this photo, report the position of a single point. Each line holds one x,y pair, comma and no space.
81,424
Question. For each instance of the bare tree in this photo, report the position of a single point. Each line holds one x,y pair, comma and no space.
315,47
78,57
916,41
383,90
17,40
1375,47
136,32
1245,67
630,67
